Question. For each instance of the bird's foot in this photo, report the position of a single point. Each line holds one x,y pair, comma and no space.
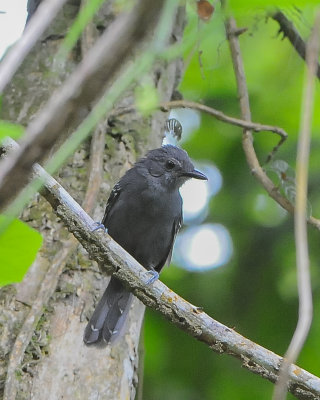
99,225
154,277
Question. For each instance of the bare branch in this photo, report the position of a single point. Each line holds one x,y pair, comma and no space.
288,29
221,339
85,85
256,127
46,13
301,236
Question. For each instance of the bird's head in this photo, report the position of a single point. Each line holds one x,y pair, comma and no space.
171,166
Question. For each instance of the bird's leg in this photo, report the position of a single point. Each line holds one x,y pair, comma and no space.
99,225
154,277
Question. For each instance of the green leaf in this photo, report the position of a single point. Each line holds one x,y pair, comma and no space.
10,129
19,245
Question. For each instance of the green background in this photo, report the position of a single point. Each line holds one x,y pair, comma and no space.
256,291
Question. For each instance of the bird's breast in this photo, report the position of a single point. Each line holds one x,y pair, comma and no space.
143,225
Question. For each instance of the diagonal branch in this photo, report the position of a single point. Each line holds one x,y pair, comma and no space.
221,339
289,30
85,85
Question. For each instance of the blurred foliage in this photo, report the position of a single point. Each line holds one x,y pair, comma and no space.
15,131
146,96
256,291
19,245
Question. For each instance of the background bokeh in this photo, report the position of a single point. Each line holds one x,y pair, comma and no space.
255,290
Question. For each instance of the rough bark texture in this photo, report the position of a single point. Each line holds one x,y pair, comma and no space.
56,364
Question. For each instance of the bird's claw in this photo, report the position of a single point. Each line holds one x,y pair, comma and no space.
99,225
154,277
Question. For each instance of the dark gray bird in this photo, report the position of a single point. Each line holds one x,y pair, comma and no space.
143,215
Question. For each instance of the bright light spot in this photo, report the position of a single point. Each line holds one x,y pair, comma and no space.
203,247
195,197
12,22
196,194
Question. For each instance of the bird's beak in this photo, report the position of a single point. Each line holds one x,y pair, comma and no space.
196,174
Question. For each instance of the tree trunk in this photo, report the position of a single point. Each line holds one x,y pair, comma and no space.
56,363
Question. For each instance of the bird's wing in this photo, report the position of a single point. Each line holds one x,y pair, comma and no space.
175,229
114,195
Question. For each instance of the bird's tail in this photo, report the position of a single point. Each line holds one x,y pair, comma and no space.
109,316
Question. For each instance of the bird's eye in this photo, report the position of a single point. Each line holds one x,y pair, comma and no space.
170,164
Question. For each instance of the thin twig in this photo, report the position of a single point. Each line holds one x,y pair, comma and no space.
301,236
288,29
191,319
256,127
247,139
45,14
